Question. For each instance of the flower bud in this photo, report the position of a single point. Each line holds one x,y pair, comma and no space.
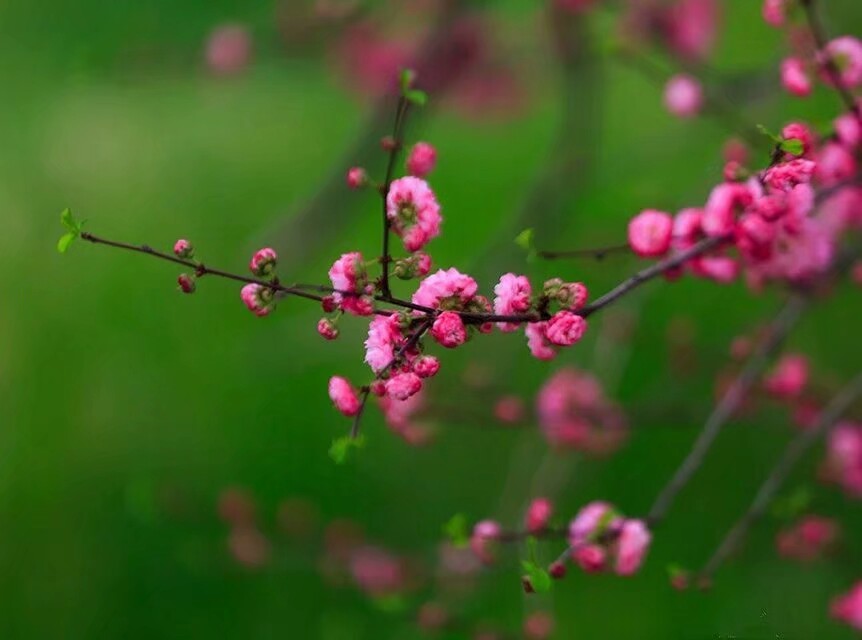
263,262
183,248
327,329
187,283
357,178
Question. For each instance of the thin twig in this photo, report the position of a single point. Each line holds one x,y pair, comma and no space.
776,478
597,254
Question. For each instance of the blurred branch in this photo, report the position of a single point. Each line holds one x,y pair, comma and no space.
729,403
774,481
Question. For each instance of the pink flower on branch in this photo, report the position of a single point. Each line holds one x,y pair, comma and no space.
413,212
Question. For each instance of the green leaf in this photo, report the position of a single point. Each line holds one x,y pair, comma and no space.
769,134
340,448
68,220
525,239
456,530
539,578
408,76
66,240
417,97
793,145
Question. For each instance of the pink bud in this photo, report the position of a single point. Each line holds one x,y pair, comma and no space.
774,12
327,329
789,377
421,160
538,514
846,55
183,248
557,570
329,304
484,534
590,557
187,283
794,77
263,262
650,233
343,396
449,330
539,625
426,366
357,178
683,96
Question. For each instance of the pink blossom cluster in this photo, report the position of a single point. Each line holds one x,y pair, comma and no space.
809,538
602,539
841,59
770,220
575,414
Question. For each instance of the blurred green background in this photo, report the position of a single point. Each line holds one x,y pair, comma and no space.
128,408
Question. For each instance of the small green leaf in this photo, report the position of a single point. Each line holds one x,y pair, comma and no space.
539,579
68,220
406,80
340,448
456,530
66,240
793,145
525,239
769,134
417,97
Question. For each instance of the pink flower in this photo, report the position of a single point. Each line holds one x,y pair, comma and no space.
263,262
384,336
421,160
228,49
327,329
722,269
795,78
356,178
449,330
848,130
789,377
343,396
632,546
834,164
774,12
512,297
413,212
846,54
349,280
683,95
481,542
808,539
725,201
537,343
844,457
690,27
565,328
183,248
591,522
403,385
538,515
376,571
847,607
259,299
590,557
801,132
449,289
574,413
571,295
786,175
650,233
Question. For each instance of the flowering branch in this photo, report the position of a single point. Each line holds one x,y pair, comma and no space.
729,403
825,57
395,143
776,478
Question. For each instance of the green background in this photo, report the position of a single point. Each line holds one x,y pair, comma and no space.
128,408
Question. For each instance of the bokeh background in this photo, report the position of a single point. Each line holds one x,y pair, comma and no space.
128,409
